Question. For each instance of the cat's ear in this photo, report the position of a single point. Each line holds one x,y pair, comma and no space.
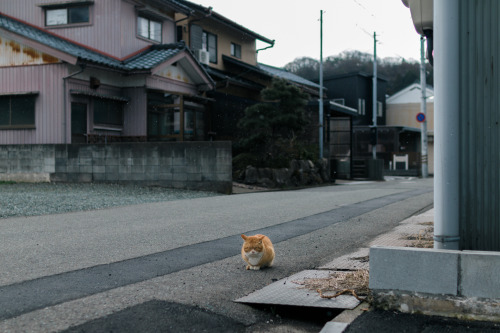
261,237
244,237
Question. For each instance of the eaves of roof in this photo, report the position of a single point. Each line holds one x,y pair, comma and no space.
144,60
207,12
220,76
177,6
351,74
429,91
281,73
51,40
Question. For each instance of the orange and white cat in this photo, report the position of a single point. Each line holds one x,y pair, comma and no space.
257,251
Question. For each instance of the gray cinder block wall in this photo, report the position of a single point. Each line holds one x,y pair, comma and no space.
451,283
185,165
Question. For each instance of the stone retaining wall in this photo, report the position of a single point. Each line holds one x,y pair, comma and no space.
186,165
300,173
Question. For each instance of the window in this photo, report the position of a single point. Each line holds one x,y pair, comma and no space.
17,111
209,43
67,15
108,112
380,109
149,29
236,50
361,106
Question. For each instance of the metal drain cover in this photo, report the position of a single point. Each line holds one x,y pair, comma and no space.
287,292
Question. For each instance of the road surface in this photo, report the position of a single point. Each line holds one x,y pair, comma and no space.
175,266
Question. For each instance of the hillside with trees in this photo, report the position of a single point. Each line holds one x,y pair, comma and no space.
399,72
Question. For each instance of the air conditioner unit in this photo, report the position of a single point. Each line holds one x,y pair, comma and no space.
202,56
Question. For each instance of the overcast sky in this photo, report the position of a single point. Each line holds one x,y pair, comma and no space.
347,25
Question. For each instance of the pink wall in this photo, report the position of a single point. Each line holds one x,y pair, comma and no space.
115,35
47,80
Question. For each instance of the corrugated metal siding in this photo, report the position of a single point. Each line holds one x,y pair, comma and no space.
135,122
479,125
47,80
112,30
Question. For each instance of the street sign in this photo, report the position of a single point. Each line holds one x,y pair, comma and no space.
420,117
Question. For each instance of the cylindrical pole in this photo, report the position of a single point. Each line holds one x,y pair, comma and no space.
321,86
446,124
374,99
423,109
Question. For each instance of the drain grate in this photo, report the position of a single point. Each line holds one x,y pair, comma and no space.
287,292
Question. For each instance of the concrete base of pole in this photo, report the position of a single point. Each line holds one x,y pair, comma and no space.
376,169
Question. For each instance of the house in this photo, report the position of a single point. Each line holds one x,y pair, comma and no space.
228,52
398,143
355,90
403,108
98,71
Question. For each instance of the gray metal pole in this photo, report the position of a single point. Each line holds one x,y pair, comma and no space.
374,99
446,124
423,109
321,87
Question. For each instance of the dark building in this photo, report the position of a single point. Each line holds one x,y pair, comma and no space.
355,90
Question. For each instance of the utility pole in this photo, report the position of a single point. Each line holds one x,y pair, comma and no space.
321,86
423,109
374,106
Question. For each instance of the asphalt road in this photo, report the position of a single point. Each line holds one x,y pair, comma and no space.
175,266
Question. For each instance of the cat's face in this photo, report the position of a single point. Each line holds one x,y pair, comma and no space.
253,244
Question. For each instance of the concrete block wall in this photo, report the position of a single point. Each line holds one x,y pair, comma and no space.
186,165
26,163
440,282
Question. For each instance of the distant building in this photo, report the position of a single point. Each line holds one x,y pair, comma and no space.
402,110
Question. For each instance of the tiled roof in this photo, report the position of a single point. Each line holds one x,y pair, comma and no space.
154,56
145,60
55,42
281,73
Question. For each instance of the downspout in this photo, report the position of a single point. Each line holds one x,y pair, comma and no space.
446,125
65,99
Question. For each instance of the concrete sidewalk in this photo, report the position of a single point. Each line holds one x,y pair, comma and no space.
412,232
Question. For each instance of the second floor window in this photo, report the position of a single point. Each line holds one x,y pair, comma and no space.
209,43
236,50
67,15
361,106
380,109
148,28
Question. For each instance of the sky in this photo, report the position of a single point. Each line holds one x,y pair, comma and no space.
348,25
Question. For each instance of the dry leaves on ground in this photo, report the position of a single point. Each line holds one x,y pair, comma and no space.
339,283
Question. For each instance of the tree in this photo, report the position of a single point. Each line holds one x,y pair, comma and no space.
399,72
272,127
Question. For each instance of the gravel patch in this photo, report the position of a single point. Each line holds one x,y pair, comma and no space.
29,199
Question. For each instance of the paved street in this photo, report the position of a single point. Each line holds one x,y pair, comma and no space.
175,266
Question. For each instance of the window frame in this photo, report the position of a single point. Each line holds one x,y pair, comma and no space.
96,113
236,50
361,106
206,45
149,20
10,125
68,8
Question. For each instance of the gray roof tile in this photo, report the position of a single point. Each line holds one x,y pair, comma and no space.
148,59
281,73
